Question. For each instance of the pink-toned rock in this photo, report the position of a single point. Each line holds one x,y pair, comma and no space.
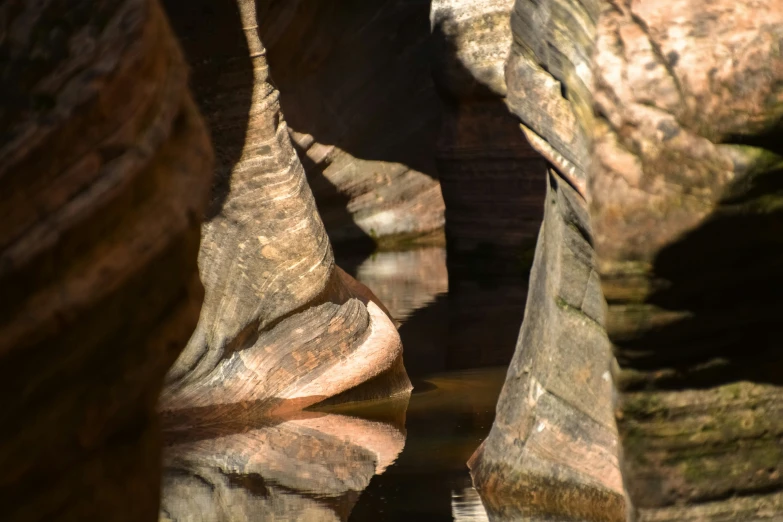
685,200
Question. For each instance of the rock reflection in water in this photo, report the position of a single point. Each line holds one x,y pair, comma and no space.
305,466
447,321
406,281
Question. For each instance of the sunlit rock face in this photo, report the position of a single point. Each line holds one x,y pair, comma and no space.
493,182
358,96
665,118
553,447
280,321
104,171
685,188
302,466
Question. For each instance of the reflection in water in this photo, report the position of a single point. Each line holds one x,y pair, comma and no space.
305,466
447,322
466,506
406,281
342,462
394,460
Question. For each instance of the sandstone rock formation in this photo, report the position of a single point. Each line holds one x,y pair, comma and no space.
281,325
303,466
685,185
492,181
553,447
358,97
666,117
104,172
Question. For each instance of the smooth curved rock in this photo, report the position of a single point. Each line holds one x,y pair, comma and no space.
493,182
553,448
104,170
281,325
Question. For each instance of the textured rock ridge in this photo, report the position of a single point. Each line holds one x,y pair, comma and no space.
666,117
553,448
685,186
280,322
492,181
104,170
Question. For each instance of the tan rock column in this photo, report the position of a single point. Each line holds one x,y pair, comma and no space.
281,324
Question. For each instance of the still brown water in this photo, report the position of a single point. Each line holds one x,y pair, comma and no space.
392,460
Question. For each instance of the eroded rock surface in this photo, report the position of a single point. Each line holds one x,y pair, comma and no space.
281,325
104,172
666,117
553,448
685,185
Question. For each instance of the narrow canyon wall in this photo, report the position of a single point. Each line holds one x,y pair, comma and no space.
553,449
281,325
104,172
686,183
357,92
666,119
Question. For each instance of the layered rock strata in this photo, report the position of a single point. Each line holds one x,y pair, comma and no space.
667,118
104,171
281,325
358,96
492,181
553,448
685,182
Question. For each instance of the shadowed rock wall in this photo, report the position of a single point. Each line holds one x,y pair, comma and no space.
357,92
104,172
493,182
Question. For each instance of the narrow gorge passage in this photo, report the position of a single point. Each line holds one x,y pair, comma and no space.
332,260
